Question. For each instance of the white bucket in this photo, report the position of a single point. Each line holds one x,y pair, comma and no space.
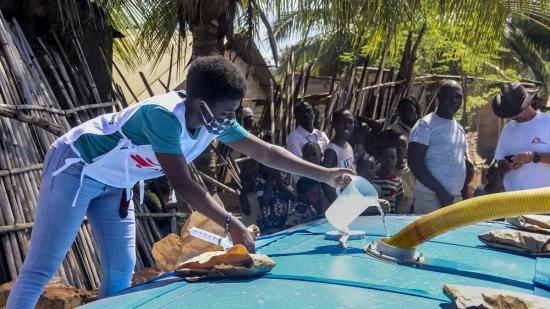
351,202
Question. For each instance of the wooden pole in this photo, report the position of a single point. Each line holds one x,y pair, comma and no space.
170,69
125,82
146,83
272,110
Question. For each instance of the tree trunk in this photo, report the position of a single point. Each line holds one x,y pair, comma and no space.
210,23
406,70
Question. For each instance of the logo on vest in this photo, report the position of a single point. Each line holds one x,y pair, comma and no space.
537,140
145,163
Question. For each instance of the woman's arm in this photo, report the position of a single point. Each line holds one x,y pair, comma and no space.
279,158
175,167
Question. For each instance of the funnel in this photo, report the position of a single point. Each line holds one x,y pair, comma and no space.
382,250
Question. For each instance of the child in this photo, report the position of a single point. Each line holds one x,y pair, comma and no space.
311,152
392,188
495,181
339,152
274,196
467,190
304,210
366,168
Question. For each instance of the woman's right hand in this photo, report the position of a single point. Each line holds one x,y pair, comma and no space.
241,235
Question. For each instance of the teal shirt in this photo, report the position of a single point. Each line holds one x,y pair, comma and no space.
150,125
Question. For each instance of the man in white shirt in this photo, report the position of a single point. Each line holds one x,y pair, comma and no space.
437,153
305,132
523,149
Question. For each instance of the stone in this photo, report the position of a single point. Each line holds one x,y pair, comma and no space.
57,295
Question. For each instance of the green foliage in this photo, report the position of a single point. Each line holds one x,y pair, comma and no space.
462,35
476,102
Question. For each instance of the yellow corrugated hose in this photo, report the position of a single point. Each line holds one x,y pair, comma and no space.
467,212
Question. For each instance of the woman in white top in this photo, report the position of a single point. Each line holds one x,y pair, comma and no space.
88,169
339,152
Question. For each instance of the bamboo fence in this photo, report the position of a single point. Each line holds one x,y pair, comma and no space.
31,118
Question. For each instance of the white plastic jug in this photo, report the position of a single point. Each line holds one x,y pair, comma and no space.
351,202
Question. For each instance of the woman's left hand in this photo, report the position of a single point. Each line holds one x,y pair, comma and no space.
338,177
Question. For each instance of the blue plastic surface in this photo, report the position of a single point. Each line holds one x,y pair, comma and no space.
312,272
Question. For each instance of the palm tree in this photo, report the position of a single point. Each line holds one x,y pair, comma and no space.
365,27
476,28
529,44
208,23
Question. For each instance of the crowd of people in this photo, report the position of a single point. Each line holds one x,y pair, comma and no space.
417,164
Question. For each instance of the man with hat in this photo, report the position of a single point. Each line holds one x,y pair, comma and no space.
523,149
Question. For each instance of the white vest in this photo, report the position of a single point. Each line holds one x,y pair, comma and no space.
138,161
344,156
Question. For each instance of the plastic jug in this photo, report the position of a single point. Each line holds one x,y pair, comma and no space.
351,202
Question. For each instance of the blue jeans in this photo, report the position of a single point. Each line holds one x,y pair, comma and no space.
57,224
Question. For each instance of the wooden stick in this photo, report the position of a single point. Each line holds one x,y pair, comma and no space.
5,238
173,221
83,92
87,238
125,82
144,212
170,69
46,93
87,72
141,241
196,174
163,85
272,110
217,183
36,121
146,83
381,85
58,80
15,227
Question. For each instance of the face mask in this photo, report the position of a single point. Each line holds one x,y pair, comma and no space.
216,125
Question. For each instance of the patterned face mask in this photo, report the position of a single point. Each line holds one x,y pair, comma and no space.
216,125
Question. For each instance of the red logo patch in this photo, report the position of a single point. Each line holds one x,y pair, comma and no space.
141,163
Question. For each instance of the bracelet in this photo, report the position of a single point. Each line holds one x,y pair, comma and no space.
227,224
536,157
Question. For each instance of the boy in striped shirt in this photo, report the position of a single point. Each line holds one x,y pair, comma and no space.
391,185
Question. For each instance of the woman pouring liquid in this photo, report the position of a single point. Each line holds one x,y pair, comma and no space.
91,170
